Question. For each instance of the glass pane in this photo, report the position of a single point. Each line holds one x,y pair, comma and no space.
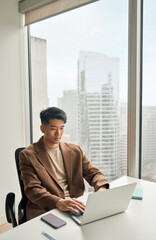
149,92
79,63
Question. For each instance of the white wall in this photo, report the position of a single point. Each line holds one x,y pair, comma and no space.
14,119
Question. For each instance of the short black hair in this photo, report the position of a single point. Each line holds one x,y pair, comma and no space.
52,113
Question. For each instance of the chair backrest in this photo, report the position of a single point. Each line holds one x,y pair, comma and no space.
22,204
17,152
10,209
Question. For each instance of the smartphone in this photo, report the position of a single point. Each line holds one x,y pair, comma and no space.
53,220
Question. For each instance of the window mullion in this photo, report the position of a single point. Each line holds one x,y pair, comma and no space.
134,88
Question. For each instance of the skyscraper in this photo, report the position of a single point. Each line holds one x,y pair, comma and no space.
98,111
148,143
39,82
123,137
69,104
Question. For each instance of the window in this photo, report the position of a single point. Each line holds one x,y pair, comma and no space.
149,93
79,63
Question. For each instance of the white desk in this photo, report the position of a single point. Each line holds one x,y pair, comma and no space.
137,223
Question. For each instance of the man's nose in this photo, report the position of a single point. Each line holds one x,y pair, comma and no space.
58,132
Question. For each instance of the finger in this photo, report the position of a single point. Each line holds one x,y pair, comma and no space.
73,210
80,209
78,206
76,210
78,202
71,206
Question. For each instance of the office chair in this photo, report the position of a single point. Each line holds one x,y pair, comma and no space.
10,209
10,199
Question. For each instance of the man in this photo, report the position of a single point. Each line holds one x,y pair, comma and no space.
52,171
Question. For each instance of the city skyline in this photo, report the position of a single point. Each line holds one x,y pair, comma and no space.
100,27
88,123
93,29
93,110
85,29
98,111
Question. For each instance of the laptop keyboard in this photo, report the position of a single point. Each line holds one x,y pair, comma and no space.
78,215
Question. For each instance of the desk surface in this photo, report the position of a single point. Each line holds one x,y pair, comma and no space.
137,223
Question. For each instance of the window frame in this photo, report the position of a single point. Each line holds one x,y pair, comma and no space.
135,52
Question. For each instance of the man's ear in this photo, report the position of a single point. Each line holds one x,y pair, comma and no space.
42,129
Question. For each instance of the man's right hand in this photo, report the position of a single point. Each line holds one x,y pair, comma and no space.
71,204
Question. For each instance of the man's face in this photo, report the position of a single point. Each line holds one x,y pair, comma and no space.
53,131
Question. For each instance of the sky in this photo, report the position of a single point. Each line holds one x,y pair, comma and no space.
98,27
149,53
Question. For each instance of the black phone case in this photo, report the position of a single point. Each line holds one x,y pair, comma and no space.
53,220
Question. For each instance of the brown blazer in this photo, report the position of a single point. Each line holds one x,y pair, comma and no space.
40,182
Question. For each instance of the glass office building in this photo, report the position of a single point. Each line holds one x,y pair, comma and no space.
98,111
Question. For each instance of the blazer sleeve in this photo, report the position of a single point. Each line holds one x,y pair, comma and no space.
33,188
93,175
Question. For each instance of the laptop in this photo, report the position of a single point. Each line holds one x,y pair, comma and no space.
104,204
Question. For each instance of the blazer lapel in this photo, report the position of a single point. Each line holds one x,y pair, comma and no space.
67,158
44,159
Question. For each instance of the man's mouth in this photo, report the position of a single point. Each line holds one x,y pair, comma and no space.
57,139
